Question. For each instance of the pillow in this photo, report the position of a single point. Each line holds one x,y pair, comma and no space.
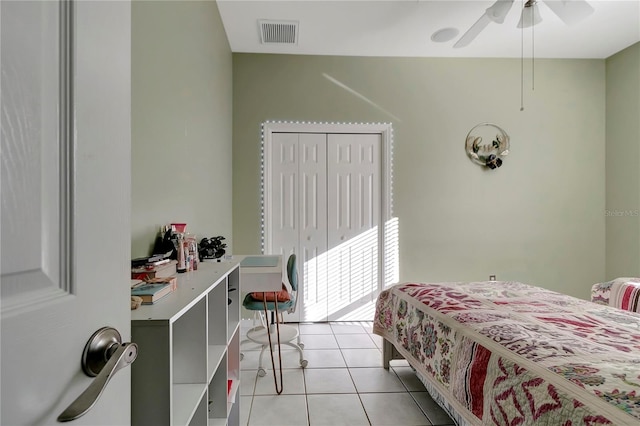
281,296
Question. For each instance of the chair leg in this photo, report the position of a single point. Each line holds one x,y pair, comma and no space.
303,362
270,327
298,339
242,353
300,343
261,370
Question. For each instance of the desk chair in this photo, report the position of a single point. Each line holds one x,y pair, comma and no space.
285,302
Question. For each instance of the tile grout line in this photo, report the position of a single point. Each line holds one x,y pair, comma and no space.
356,389
344,359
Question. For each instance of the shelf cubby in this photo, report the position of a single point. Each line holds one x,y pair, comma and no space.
218,393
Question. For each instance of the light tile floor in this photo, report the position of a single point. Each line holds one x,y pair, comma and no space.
343,384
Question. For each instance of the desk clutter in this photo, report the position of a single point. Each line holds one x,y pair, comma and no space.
175,251
173,241
166,268
152,281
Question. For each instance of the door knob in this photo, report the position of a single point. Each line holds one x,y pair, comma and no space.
103,356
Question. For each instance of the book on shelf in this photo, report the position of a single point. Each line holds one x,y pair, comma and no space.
156,263
149,271
152,292
172,281
155,259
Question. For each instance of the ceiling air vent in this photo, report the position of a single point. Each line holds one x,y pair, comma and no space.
279,32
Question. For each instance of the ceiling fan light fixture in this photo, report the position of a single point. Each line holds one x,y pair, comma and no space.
530,15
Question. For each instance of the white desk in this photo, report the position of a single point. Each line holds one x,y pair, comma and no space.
260,278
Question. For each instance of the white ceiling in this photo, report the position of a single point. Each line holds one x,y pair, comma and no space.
404,28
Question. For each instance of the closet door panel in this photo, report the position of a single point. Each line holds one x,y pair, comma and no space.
353,205
313,226
284,193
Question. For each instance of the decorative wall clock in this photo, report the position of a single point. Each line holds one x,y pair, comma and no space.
487,144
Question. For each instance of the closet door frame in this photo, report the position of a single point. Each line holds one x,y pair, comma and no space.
386,200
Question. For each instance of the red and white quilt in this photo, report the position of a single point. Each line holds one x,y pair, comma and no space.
505,353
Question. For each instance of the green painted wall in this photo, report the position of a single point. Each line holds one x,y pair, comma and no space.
622,160
181,120
538,219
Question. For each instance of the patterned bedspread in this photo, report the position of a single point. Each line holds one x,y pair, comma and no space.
621,293
505,353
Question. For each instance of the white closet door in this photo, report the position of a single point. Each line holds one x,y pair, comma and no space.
298,182
325,207
353,204
312,264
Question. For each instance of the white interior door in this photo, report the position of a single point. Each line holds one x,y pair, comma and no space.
353,206
65,203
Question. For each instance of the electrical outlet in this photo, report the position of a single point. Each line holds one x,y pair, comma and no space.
492,277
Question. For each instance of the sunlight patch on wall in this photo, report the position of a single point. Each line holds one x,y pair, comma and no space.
360,96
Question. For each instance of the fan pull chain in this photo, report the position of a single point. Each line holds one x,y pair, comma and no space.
522,64
533,55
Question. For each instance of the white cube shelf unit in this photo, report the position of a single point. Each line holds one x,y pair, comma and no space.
188,349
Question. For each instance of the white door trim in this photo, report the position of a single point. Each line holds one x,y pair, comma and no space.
386,199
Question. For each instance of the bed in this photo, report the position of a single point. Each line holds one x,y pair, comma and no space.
506,353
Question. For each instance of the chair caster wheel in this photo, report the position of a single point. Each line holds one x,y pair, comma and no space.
304,363
241,356
262,372
301,345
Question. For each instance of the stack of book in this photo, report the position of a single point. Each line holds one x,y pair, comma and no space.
158,269
153,289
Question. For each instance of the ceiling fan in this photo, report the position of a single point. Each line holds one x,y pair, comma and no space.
569,11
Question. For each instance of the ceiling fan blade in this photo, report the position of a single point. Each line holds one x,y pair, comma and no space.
570,11
495,13
499,10
473,32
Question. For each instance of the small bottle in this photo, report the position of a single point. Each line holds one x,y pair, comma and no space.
195,256
187,256
181,267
